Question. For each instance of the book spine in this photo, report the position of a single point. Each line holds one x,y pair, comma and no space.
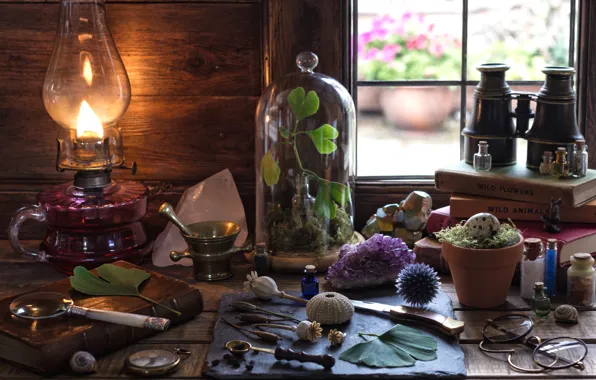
506,209
500,187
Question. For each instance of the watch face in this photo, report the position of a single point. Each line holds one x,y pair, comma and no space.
152,362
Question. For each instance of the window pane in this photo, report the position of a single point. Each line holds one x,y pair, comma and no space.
409,40
412,131
526,34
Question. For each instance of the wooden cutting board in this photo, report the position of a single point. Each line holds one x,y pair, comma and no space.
45,346
449,362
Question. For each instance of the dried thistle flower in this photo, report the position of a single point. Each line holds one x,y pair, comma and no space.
335,337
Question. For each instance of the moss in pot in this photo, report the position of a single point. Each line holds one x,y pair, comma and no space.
482,255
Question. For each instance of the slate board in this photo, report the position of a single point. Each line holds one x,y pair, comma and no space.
449,362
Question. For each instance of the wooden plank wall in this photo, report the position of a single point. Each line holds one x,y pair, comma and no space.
196,75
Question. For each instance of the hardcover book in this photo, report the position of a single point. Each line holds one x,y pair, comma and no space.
464,206
517,183
45,346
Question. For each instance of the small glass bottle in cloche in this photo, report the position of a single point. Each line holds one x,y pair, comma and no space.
580,280
310,284
546,166
561,165
580,158
482,159
540,302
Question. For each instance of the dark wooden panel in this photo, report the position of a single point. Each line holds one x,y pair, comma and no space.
586,77
313,25
168,49
171,138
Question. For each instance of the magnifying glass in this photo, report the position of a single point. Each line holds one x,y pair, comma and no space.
47,305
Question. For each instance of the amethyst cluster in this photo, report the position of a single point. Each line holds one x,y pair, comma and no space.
373,262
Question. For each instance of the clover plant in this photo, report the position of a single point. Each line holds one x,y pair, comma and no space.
303,106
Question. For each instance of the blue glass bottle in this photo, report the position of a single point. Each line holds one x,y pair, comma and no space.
550,268
310,284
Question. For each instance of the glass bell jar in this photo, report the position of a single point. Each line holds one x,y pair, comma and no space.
305,155
92,220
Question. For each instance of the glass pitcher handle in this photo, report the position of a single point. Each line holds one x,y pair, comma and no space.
30,212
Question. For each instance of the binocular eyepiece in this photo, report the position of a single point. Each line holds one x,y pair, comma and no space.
554,125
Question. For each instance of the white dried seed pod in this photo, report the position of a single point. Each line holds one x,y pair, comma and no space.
263,287
329,308
566,314
82,362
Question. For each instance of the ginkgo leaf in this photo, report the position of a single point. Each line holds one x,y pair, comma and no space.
324,206
340,193
270,169
400,346
303,105
322,137
114,281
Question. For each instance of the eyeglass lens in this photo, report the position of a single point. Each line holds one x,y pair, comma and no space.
560,353
507,328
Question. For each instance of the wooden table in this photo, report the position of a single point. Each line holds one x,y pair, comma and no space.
18,275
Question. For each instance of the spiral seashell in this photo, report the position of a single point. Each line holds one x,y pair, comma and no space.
566,314
263,287
329,308
82,362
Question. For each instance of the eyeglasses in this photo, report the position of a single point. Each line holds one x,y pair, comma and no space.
551,354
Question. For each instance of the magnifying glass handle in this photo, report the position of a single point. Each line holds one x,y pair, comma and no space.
127,319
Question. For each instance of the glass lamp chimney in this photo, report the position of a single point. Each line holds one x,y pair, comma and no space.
86,88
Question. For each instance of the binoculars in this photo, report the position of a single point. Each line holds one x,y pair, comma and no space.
554,125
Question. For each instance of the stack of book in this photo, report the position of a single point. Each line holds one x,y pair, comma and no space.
523,196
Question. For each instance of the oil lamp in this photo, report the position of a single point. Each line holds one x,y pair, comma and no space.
92,220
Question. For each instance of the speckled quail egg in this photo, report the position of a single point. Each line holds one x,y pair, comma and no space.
482,225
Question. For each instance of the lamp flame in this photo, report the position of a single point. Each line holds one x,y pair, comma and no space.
88,124
87,71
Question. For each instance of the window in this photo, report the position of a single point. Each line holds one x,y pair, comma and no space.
415,73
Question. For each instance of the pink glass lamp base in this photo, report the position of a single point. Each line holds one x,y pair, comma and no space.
87,228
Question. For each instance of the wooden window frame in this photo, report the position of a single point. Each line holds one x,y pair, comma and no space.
325,27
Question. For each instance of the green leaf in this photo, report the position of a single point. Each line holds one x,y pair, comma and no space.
284,132
400,346
303,106
269,169
324,206
340,193
322,137
114,281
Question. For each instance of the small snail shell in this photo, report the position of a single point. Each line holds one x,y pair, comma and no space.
82,362
566,314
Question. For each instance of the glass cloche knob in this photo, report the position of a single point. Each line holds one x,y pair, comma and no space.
307,61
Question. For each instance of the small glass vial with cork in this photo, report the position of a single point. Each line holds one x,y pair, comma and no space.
482,159
310,284
540,301
546,166
580,158
531,266
561,165
261,259
550,267
580,280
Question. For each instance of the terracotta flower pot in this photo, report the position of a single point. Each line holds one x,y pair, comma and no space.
417,108
482,277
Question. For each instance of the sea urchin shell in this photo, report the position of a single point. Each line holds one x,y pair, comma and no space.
329,308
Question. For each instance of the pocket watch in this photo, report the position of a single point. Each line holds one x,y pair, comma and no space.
154,362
